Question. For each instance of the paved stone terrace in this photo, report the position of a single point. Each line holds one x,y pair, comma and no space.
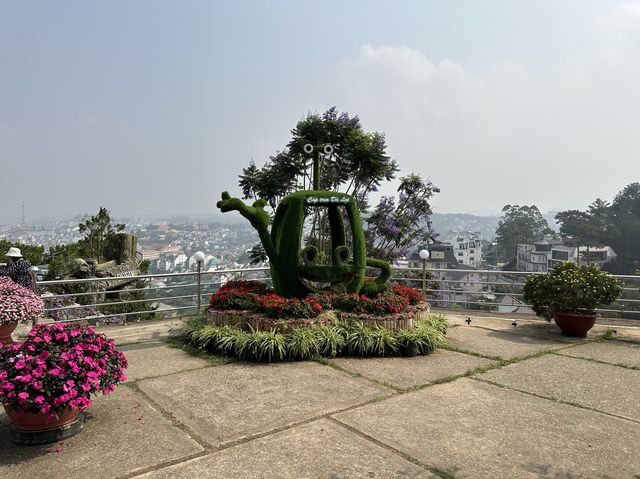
501,402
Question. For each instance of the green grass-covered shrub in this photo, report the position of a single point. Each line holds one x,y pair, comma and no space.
338,339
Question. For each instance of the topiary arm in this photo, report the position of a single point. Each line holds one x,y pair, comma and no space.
379,284
256,215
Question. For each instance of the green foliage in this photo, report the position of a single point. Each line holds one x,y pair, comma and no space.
98,229
570,289
616,225
302,343
358,163
341,338
577,228
32,253
519,224
60,259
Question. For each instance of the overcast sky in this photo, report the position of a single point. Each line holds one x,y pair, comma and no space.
154,107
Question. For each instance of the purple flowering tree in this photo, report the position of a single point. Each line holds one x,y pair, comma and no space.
392,229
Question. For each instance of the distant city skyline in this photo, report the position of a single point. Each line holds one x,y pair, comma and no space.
154,108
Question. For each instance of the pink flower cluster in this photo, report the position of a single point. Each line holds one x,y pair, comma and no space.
17,303
59,367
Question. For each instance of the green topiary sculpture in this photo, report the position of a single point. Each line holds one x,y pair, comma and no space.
296,273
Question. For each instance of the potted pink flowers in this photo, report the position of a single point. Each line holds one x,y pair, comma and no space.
17,305
46,381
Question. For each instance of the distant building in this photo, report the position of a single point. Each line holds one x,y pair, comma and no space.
543,256
467,248
440,257
596,255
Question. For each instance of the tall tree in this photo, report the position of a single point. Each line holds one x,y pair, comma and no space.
357,166
97,230
624,229
578,228
519,224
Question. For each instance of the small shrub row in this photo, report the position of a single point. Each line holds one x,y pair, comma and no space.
277,307
338,339
412,295
238,294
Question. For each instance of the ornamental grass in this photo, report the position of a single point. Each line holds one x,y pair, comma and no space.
340,338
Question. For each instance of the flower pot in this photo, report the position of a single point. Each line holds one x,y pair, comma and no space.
35,428
5,332
574,324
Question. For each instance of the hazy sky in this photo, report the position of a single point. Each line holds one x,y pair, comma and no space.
155,106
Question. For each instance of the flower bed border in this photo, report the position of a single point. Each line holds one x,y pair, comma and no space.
249,320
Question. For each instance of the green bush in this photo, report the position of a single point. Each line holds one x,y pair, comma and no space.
340,338
570,289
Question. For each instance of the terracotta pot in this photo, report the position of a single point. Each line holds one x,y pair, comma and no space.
575,325
38,422
5,332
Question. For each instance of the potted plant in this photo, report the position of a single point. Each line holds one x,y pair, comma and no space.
17,305
570,294
46,381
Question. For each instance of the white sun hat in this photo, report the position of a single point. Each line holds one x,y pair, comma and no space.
14,253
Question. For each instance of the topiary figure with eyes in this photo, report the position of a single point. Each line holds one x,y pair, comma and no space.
296,273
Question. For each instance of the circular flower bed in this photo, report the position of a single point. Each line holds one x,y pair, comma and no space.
57,369
250,305
245,319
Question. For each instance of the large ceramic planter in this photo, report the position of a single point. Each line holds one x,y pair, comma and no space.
575,325
5,332
35,428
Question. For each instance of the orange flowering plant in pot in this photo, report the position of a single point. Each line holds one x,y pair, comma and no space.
570,295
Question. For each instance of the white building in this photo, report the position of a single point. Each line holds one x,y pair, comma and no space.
467,248
544,255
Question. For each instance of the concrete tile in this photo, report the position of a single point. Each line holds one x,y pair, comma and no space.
156,359
233,401
474,429
144,330
603,387
613,352
497,343
123,433
409,372
321,449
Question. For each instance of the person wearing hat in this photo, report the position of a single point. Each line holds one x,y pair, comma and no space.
18,268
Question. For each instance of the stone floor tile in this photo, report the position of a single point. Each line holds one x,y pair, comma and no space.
603,387
122,433
497,343
151,359
476,430
409,372
613,352
321,449
229,402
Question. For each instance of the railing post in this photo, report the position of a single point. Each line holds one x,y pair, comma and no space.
33,272
199,287
199,257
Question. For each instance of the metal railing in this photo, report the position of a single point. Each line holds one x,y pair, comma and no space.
155,296
166,295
